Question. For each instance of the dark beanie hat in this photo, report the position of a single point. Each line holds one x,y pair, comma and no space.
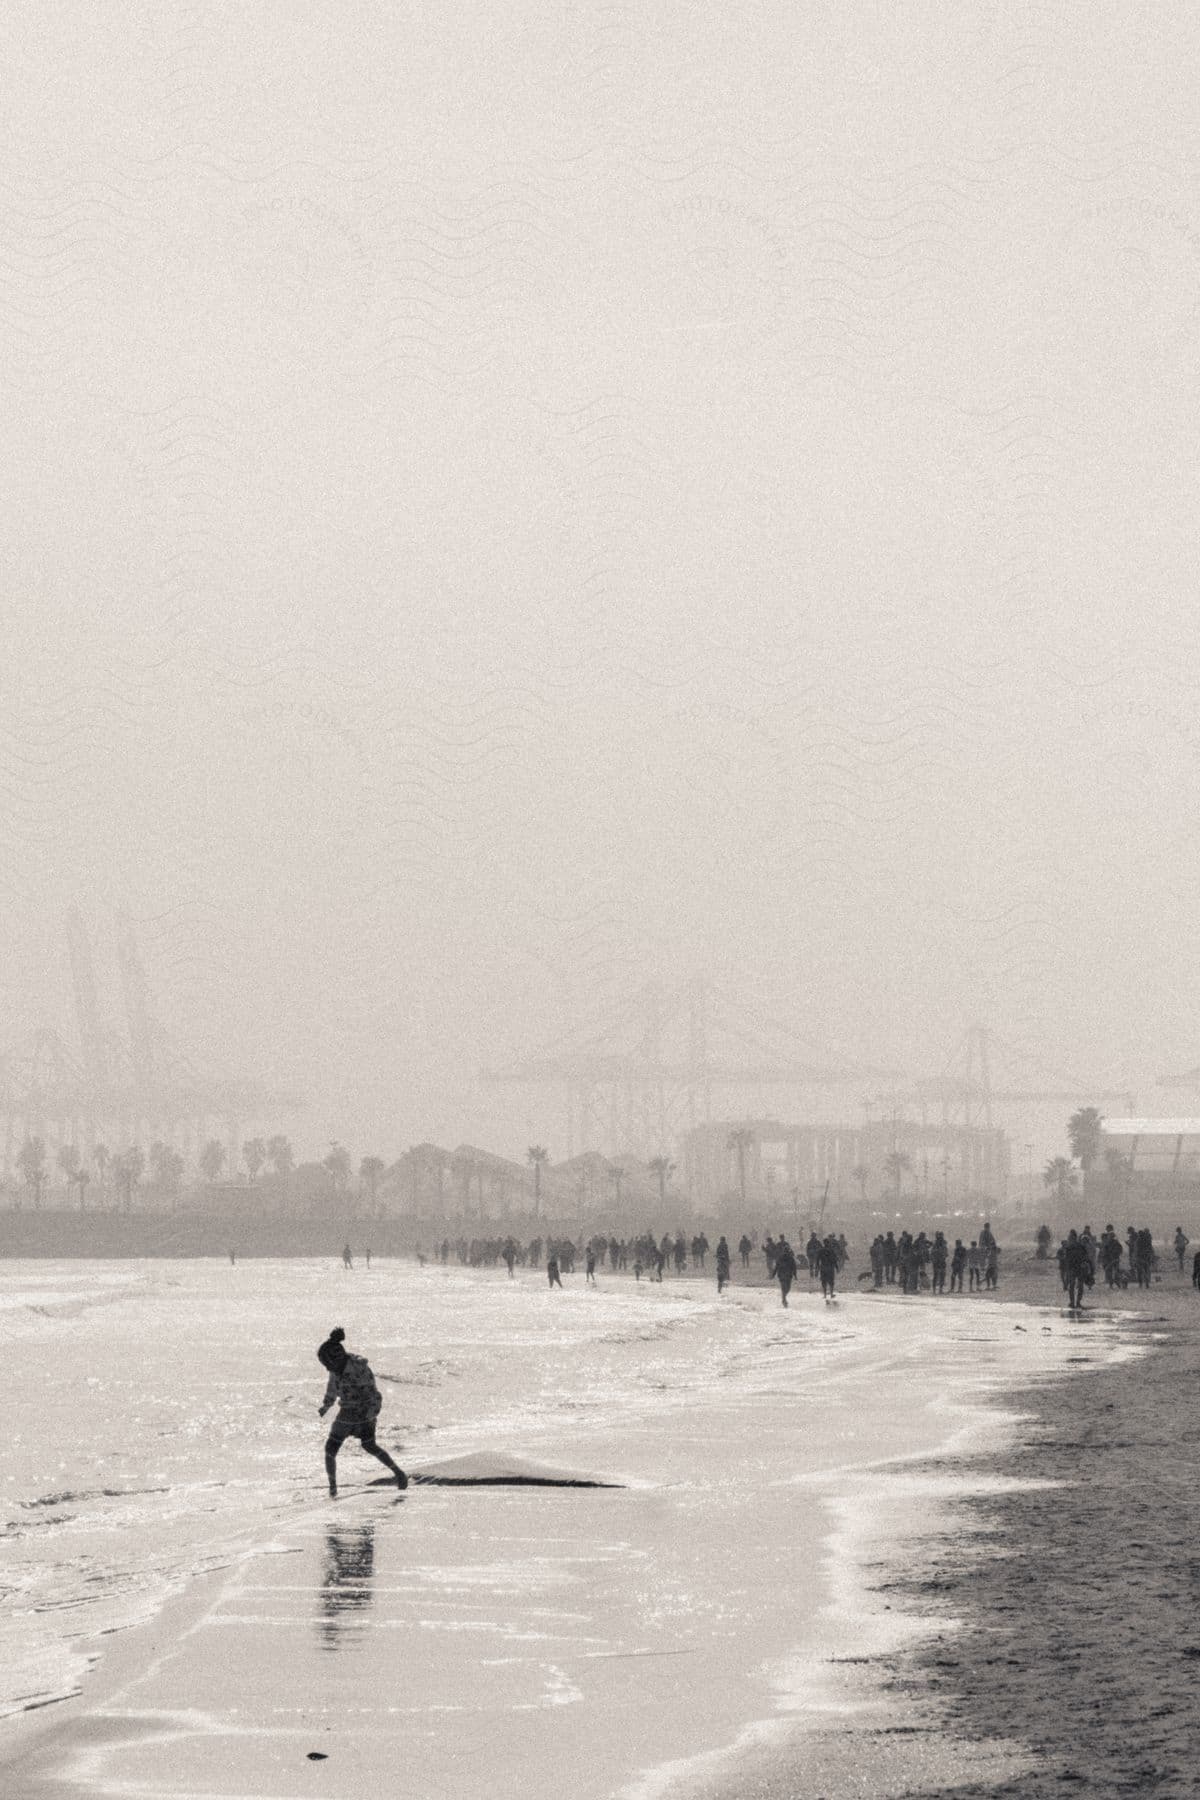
331,1352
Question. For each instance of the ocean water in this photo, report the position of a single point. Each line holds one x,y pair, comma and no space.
162,1425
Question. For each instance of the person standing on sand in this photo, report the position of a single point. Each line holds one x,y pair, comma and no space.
722,1264
590,1267
974,1267
958,1263
1181,1244
1196,1270
553,1278
352,1385
1077,1269
938,1253
744,1249
347,1259
785,1268
827,1266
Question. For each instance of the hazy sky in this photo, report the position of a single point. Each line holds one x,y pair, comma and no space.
504,500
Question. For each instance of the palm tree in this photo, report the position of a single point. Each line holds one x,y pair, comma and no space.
254,1155
1120,1169
68,1161
279,1155
1083,1133
212,1159
337,1161
31,1161
663,1168
741,1138
166,1167
128,1170
370,1169
1059,1175
538,1156
897,1163
860,1173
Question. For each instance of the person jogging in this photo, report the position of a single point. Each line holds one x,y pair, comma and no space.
352,1385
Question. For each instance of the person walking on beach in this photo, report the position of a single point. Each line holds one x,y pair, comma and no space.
889,1258
827,1266
958,1263
812,1251
938,1254
974,1267
352,1385
1181,1244
1077,1268
785,1268
590,1267
553,1278
744,1249
722,1264
347,1259
876,1255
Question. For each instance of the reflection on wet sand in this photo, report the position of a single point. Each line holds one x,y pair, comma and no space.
345,1591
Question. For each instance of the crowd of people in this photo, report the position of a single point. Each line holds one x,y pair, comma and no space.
1082,1253
911,1261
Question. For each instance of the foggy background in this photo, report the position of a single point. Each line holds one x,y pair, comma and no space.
502,502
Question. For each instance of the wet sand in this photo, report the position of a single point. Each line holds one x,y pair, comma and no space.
1080,1601
702,1622
636,1637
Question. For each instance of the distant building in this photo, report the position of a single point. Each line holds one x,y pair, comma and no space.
1157,1149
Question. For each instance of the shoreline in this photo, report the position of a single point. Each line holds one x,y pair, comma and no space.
1078,1599
829,1674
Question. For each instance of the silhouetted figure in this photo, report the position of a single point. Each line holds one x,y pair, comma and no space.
744,1249
347,1259
352,1385
1044,1240
722,1259
938,1255
552,1275
958,1263
876,1255
785,1268
974,1267
233,1259
1077,1269
368,1256
1196,1270
1181,1244
827,1266
590,1267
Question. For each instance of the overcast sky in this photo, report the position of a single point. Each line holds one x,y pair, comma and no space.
504,501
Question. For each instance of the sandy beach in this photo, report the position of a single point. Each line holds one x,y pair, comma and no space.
1077,1579
706,1620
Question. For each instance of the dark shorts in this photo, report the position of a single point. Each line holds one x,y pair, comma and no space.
342,1428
